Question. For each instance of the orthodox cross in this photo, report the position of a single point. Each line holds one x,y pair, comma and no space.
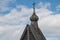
33,8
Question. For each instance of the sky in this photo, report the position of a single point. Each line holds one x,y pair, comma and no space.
15,15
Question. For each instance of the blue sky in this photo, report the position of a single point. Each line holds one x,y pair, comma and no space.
28,3
15,14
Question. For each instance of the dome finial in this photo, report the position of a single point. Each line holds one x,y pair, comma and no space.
34,17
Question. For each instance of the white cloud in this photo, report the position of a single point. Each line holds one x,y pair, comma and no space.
4,5
10,32
52,39
15,17
45,5
43,12
58,7
52,24
13,24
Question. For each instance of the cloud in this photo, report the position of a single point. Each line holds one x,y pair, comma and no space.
13,24
44,5
58,8
52,39
16,17
4,5
9,32
52,24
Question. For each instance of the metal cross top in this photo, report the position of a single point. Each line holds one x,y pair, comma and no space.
34,8
33,5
